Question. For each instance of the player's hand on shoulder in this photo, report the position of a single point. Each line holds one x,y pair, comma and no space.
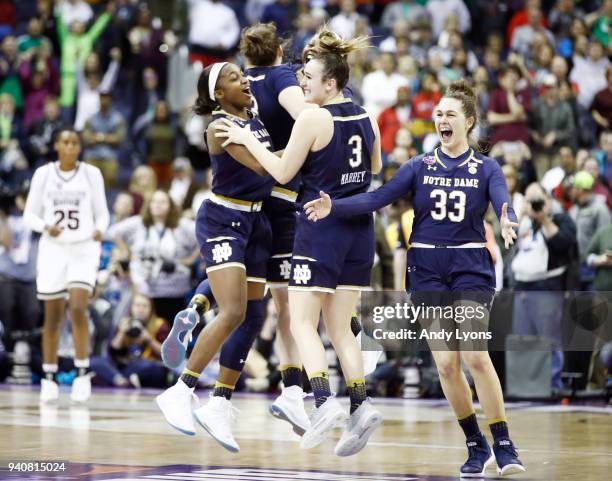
318,208
232,132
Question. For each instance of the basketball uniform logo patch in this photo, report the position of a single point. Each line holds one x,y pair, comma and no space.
301,274
222,252
285,269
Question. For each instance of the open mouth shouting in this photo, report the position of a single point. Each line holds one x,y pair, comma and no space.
446,133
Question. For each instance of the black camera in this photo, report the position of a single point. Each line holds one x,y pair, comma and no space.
537,204
134,328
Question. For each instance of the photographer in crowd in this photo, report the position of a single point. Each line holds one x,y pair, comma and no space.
546,247
134,352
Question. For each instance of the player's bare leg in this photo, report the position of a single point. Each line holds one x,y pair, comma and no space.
454,383
305,312
54,316
289,405
229,286
78,299
364,418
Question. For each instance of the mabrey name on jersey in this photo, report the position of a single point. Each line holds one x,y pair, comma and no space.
352,177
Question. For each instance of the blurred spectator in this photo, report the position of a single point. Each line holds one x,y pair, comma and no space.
440,10
545,245
282,13
162,140
523,37
509,107
599,257
589,214
145,100
409,11
146,39
589,74
518,155
399,33
423,104
212,41
163,248
134,353
40,136
103,134
521,18
604,156
75,11
344,23
9,70
602,23
601,108
19,309
34,38
142,185
517,199
599,188
123,207
7,13
203,193
561,17
89,87
76,44
12,160
39,79
183,186
393,118
254,9
379,88
558,180
552,125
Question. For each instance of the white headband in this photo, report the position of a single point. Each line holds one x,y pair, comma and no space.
213,77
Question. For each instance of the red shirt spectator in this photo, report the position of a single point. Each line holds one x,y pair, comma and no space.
508,108
391,119
519,19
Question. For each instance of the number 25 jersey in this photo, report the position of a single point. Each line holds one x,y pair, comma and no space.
73,201
344,166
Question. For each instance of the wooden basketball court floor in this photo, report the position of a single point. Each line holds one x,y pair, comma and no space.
122,435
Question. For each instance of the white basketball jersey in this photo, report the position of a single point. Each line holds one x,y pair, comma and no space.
67,201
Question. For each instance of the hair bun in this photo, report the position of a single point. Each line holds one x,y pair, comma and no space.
461,87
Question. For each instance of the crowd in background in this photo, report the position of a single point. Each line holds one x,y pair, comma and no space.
123,73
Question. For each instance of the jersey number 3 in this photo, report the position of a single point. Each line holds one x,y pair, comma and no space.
355,159
73,218
456,213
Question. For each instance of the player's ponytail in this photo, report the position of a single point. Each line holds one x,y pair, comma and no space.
259,43
463,92
332,51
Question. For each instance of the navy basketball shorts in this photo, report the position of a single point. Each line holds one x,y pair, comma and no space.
333,253
282,218
233,238
454,288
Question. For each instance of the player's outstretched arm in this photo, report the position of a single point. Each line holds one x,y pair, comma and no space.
399,186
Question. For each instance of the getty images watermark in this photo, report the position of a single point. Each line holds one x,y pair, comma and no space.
529,320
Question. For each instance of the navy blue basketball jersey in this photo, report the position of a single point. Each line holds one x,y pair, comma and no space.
450,196
266,84
344,166
230,177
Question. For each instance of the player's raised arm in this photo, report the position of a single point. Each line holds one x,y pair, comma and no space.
399,186
303,136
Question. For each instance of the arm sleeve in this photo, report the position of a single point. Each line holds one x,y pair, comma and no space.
498,192
98,199
33,212
284,78
110,77
399,186
98,27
